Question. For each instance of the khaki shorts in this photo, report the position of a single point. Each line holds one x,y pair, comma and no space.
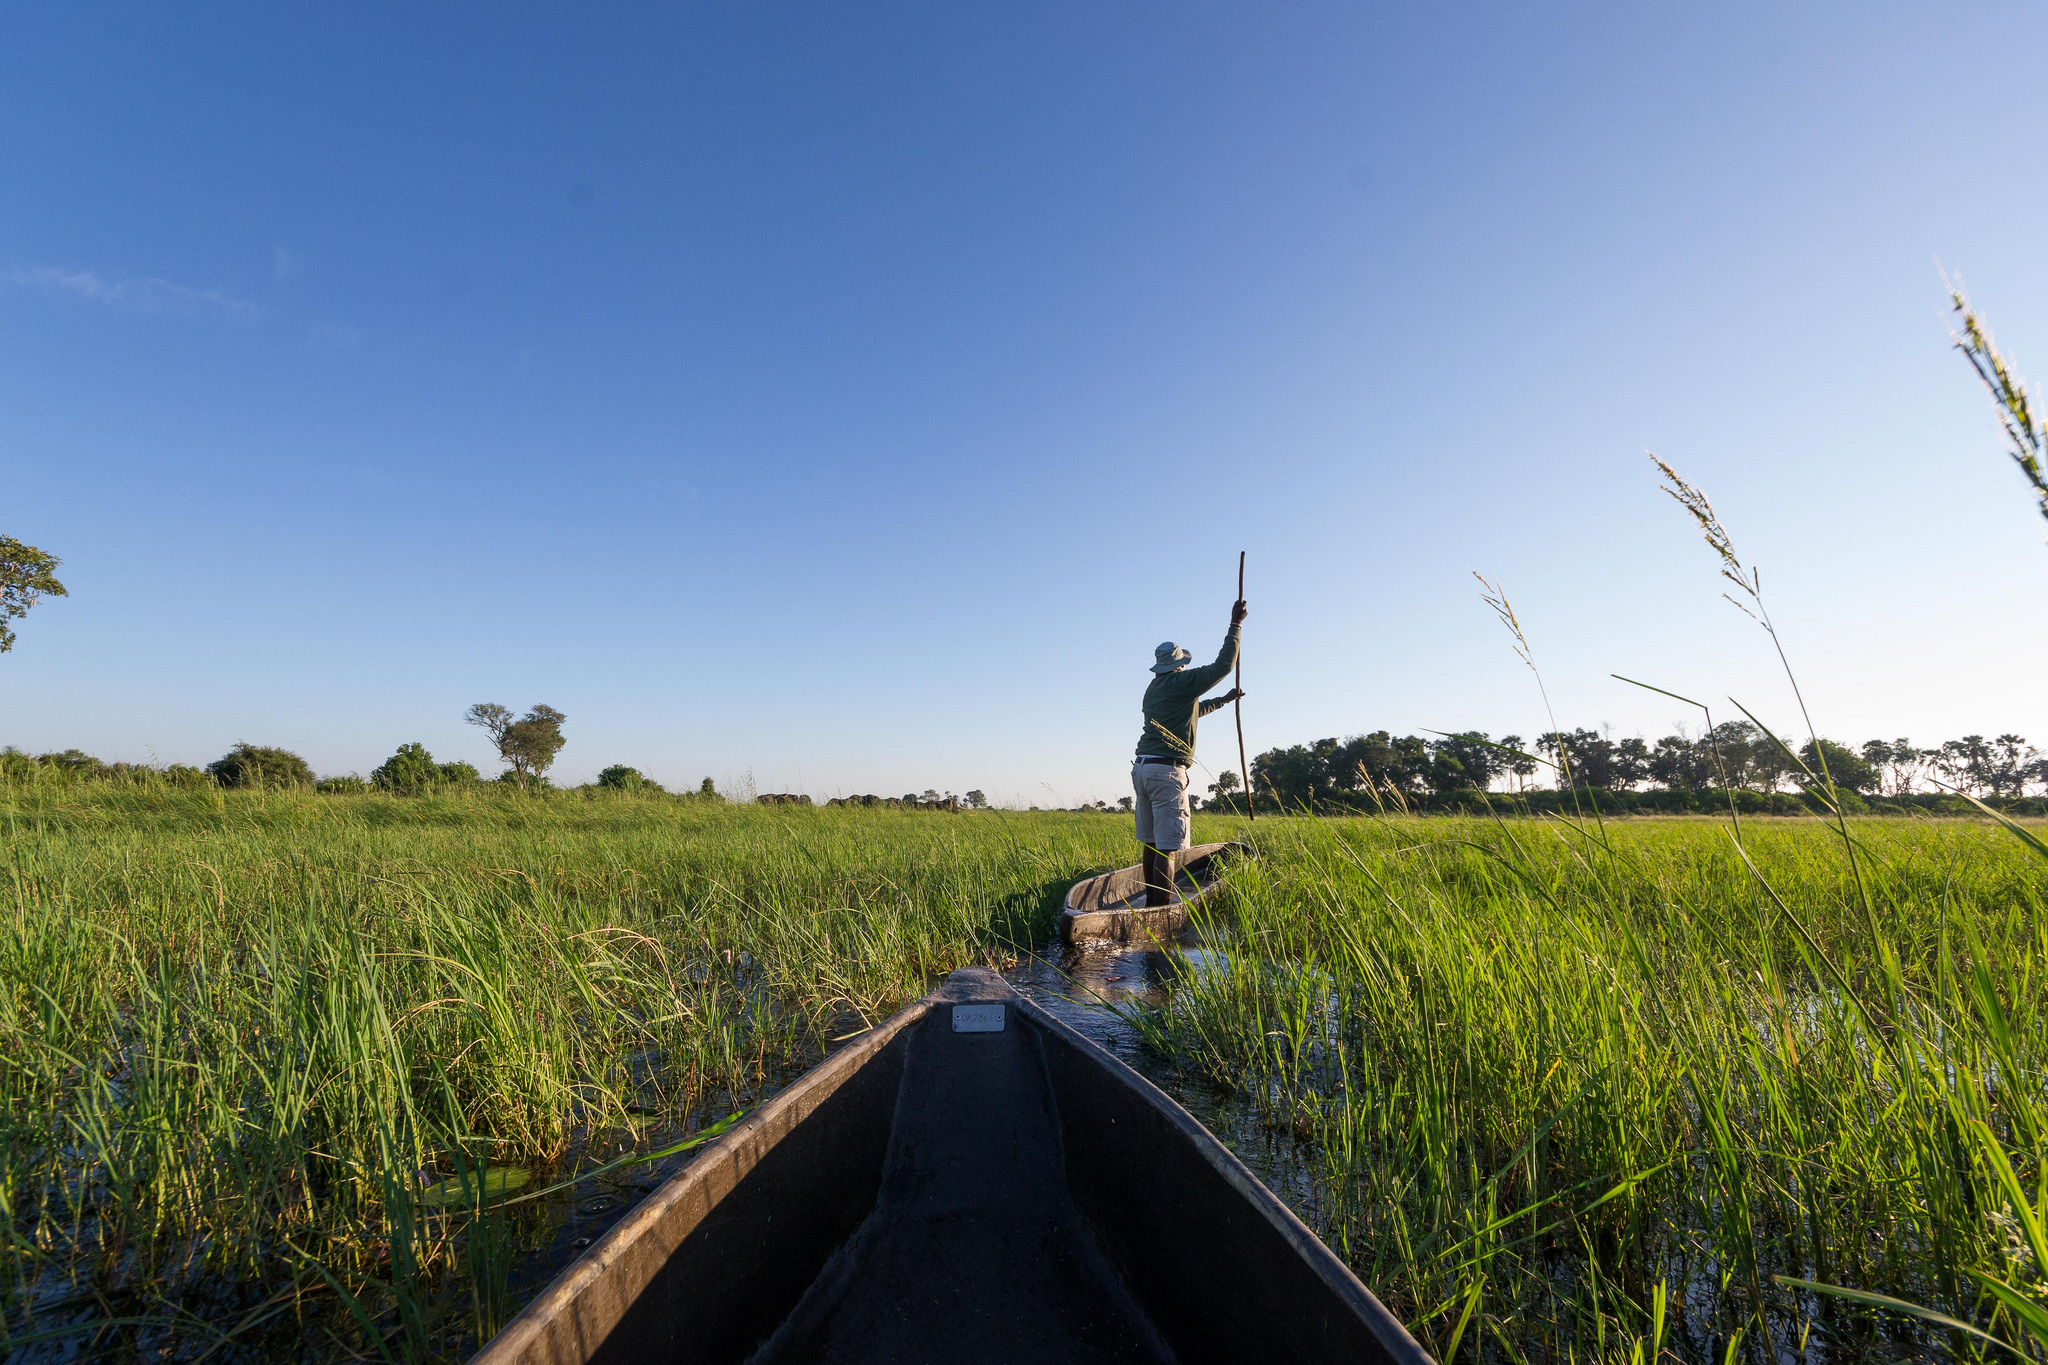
1162,805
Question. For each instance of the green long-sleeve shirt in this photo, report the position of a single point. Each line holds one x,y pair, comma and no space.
1173,704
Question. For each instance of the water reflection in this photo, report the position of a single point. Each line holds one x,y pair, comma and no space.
1093,990
1086,990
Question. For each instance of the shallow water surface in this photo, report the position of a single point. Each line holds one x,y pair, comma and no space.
1092,991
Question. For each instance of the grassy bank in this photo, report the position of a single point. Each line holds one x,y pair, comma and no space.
246,1036
1583,1093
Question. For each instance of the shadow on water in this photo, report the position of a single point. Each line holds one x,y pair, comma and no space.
1029,916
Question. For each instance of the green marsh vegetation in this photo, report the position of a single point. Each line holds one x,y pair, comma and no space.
1564,1088
263,1049
1575,1091
268,1051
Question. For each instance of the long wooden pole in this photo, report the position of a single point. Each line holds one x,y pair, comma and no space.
1242,770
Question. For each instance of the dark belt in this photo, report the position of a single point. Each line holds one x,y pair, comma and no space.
1154,758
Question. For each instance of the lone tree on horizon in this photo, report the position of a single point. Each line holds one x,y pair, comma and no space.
26,573
529,744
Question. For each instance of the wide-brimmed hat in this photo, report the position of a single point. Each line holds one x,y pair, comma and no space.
1169,657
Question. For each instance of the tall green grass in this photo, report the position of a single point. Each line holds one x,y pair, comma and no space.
248,1039
1565,1092
1574,1092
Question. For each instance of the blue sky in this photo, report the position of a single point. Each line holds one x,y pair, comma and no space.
853,395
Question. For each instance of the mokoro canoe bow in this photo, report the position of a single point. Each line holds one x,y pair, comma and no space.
1112,906
972,1181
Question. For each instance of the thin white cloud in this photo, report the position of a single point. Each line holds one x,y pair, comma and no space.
134,295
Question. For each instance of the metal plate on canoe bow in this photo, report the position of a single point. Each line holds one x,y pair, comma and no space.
978,1018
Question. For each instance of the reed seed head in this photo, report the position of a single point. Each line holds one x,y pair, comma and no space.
1696,505
2026,441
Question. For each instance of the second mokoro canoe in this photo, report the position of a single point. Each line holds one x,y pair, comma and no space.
972,1181
1112,906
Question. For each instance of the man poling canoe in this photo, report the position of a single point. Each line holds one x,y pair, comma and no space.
1159,777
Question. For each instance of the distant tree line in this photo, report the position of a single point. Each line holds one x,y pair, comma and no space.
1122,806
929,799
1362,771
411,771
527,745
1335,770
75,765
1736,754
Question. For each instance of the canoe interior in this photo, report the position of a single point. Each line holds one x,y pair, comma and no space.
1111,906
1013,1195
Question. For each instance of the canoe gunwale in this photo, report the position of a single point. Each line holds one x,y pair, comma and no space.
597,1295
595,1290
1394,1338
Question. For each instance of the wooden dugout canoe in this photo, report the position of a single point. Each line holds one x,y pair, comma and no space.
972,1181
1111,906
